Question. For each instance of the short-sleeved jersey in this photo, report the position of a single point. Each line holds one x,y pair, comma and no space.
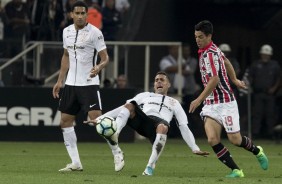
211,63
161,106
83,46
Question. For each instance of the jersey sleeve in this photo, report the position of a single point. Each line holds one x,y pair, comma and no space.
64,38
99,40
186,133
188,137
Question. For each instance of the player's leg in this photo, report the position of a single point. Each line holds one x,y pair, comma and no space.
213,132
128,110
121,121
113,144
157,148
69,107
248,144
232,127
70,141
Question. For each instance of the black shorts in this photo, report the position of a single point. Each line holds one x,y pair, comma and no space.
145,125
76,98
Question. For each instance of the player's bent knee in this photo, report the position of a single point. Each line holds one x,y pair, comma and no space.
130,107
213,141
66,121
66,124
162,129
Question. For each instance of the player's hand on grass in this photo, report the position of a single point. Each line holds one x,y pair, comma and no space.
201,153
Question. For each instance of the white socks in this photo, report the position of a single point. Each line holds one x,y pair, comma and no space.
71,144
122,118
157,149
115,148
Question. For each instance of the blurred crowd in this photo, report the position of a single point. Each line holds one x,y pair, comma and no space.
44,20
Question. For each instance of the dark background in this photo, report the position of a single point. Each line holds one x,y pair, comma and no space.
30,97
244,24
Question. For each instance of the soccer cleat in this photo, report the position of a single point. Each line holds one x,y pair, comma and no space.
236,173
148,171
119,161
263,161
71,167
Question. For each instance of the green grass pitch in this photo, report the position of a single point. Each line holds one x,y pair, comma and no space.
38,163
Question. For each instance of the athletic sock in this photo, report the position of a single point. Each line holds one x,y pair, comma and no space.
157,149
247,144
115,148
224,156
70,141
122,118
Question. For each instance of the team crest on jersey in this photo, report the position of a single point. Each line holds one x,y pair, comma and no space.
83,37
171,102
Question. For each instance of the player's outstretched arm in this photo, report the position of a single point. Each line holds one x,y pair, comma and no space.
232,75
190,140
186,133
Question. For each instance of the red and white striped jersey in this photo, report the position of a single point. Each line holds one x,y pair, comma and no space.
211,63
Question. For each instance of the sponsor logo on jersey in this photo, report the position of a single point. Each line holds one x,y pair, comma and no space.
79,47
76,47
100,37
162,105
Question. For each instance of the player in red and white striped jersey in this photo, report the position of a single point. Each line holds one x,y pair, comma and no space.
211,62
220,107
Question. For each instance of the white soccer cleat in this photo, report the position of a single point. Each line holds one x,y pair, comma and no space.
71,167
119,161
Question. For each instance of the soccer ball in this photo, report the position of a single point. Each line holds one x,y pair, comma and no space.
106,126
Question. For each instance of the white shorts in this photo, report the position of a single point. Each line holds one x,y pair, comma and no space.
225,114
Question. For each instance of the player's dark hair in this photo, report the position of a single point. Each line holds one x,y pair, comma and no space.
79,4
204,26
163,73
